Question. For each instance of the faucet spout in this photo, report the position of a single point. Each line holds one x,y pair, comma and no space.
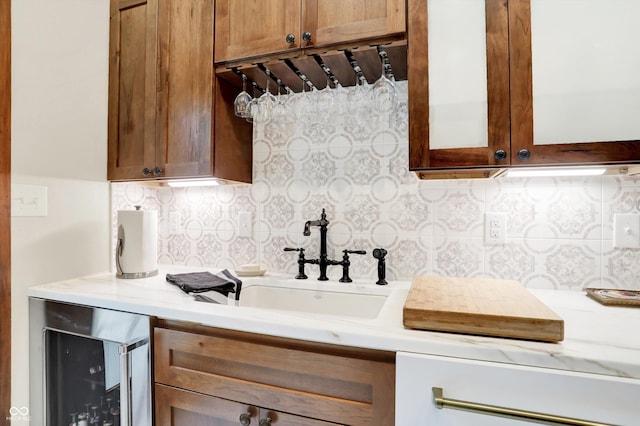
307,226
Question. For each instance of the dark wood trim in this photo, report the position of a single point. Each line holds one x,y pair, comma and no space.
418,81
499,118
521,76
421,156
5,208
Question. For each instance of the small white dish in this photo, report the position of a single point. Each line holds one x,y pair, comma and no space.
250,272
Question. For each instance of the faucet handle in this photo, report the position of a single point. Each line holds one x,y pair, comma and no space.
301,261
354,252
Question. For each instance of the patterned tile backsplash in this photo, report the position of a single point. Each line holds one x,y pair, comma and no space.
559,230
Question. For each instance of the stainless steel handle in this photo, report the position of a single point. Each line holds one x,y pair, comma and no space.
265,422
512,413
245,419
125,349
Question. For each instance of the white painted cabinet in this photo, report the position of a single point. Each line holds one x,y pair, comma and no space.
591,397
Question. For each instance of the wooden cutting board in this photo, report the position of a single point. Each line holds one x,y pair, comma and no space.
489,307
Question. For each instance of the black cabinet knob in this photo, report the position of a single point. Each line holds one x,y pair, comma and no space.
290,38
146,172
306,36
500,155
157,171
524,154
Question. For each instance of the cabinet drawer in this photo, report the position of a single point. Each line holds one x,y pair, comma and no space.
590,397
318,381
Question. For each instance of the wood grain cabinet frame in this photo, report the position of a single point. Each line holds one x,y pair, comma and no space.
509,102
323,384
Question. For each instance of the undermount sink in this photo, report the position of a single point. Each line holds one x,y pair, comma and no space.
324,299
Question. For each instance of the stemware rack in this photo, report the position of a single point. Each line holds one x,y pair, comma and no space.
315,69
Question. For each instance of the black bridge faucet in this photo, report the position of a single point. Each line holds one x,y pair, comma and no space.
323,260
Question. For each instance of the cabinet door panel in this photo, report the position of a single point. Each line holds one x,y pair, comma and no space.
177,407
586,71
461,117
185,87
591,397
246,28
574,89
132,50
338,21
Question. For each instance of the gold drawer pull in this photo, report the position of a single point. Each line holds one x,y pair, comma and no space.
512,413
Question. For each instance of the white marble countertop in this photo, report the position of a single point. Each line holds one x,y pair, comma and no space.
598,339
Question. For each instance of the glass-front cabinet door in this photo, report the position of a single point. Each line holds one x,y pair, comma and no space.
500,83
458,64
575,81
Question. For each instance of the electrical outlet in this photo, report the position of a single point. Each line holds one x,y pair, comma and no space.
626,230
495,228
244,224
28,200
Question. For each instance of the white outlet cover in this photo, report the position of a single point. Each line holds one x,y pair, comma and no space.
495,228
626,230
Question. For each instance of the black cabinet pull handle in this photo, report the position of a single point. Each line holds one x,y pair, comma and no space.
306,36
524,154
290,38
500,155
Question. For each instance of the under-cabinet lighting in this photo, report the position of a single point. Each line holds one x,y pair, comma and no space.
554,172
187,183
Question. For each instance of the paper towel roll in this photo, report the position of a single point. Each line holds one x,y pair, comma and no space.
137,248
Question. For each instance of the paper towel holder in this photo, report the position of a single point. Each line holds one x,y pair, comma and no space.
119,250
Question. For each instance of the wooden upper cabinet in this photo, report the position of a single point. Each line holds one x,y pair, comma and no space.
458,80
246,28
575,85
501,83
250,28
169,116
132,81
339,21
184,87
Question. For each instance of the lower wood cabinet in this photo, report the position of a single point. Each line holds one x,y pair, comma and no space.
176,406
213,376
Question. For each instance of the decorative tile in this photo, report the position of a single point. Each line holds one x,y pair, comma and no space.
355,166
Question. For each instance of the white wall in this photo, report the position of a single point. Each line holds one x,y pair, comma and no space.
59,140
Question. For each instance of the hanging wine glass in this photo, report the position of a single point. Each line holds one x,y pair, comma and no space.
325,100
266,103
242,101
384,93
360,100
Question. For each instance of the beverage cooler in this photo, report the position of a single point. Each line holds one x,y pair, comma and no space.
88,366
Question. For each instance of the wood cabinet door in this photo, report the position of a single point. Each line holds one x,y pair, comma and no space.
340,21
246,28
178,407
575,85
132,52
185,92
458,76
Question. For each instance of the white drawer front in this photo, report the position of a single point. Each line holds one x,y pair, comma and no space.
591,397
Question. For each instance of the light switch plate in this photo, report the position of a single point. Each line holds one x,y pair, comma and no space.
626,230
244,224
28,200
